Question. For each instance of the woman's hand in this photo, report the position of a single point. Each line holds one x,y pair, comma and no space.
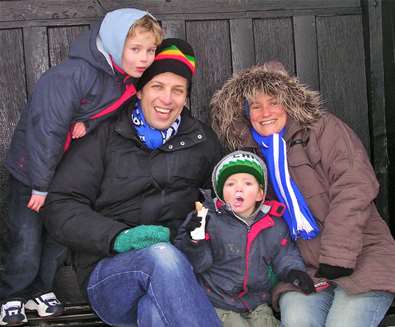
36,202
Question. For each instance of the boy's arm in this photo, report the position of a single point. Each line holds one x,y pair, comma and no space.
48,118
198,252
287,257
69,213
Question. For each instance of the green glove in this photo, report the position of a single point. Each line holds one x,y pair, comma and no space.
140,237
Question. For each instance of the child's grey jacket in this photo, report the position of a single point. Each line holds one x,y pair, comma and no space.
237,264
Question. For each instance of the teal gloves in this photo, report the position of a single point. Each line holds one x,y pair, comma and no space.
140,237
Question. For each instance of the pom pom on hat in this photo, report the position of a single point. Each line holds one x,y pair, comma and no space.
174,56
235,163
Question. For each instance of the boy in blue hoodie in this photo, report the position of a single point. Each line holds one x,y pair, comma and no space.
69,100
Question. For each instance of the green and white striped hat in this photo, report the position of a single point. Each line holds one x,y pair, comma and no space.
235,163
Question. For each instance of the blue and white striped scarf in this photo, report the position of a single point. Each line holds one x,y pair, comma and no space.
153,138
300,220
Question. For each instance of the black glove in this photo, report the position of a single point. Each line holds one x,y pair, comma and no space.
332,272
194,222
301,280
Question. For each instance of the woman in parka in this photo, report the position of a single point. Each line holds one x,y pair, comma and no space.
320,169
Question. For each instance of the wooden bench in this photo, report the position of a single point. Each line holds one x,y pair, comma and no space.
334,46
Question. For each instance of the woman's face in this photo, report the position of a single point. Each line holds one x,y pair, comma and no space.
267,115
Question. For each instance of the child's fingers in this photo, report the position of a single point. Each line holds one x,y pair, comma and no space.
79,130
36,202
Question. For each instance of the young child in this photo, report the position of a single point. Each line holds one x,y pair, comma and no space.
69,100
247,244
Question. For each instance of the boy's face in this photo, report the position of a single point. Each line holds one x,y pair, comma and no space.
241,192
162,99
138,52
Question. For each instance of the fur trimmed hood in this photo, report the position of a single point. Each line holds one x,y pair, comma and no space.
229,121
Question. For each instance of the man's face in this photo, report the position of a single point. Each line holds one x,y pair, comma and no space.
138,52
162,99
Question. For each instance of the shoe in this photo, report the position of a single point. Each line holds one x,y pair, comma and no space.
13,313
46,305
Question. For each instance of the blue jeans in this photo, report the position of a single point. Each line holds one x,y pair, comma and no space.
154,286
334,308
31,257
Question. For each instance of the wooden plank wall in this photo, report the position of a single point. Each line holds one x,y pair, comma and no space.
321,41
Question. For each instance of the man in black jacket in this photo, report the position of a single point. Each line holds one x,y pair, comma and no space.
121,192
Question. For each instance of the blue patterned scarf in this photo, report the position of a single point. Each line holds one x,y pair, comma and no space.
300,220
152,137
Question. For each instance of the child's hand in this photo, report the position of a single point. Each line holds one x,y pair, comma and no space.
36,202
79,130
301,280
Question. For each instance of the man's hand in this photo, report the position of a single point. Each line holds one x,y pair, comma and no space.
140,237
79,130
36,202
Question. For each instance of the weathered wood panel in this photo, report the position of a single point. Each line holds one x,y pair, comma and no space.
60,39
210,40
306,54
342,71
274,41
24,10
12,100
36,54
242,44
174,28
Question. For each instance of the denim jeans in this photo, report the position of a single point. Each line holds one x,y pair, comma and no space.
334,308
31,257
154,286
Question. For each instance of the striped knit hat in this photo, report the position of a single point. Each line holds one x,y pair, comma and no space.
174,56
235,163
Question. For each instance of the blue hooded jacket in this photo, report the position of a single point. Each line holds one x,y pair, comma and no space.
82,87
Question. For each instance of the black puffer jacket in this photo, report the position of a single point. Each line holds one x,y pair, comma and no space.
75,90
110,181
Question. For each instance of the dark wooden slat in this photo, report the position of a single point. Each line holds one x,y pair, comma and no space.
12,100
191,16
274,41
242,44
306,55
60,39
342,71
381,136
300,4
48,9
207,6
36,54
174,28
210,40
176,6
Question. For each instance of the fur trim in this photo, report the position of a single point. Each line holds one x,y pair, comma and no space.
229,121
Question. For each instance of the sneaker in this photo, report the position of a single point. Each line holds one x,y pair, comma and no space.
13,313
46,305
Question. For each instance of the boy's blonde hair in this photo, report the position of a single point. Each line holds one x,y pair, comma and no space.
147,24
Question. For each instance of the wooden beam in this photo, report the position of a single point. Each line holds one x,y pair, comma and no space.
274,41
242,44
36,54
306,54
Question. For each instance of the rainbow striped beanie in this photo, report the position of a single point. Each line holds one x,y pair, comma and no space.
174,56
